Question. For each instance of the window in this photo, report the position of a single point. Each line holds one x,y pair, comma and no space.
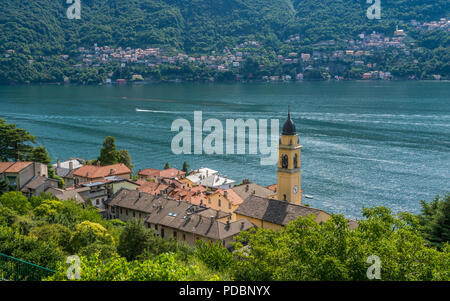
97,202
162,232
156,227
127,212
175,234
220,203
184,236
229,206
134,214
284,161
120,210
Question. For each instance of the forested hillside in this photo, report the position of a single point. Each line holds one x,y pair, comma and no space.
41,28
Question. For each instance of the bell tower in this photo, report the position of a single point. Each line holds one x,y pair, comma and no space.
289,174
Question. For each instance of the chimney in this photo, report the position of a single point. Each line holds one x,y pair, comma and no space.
70,165
111,171
227,226
246,188
242,225
58,163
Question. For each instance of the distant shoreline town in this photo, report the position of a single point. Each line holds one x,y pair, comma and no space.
369,56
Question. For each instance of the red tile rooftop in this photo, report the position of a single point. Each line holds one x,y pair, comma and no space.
165,173
13,166
93,171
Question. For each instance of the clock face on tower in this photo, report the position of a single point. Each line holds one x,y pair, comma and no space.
295,189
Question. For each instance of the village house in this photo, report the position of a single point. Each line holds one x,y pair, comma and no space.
21,174
217,182
38,185
274,214
65,170
97,192
225,200
174,218
157,175
65,195
92,173
247,189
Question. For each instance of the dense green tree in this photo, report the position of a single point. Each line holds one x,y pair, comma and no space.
87,233
435,220
15,143
109,154
185,167
125,158
135,238
16,201
306,250
215,256
4,186
29,248
164,267
55,233
40,154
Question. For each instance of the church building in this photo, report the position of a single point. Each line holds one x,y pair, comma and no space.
289,174
277,211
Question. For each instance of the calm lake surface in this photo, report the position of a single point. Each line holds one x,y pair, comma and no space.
364,143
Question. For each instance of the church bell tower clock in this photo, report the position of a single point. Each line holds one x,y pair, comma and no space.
289,174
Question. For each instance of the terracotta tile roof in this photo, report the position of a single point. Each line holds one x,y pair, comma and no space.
13,166
4,166
165,173
246,190
199,188
273,187
231,196
151,187
274,211
93,171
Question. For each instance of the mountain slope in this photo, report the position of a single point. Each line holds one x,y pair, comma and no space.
196,25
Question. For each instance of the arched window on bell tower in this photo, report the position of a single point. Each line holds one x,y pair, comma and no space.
284,161
295,161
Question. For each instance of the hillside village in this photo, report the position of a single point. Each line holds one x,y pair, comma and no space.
358,58
188,206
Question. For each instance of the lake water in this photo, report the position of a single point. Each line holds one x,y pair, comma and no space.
364,143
